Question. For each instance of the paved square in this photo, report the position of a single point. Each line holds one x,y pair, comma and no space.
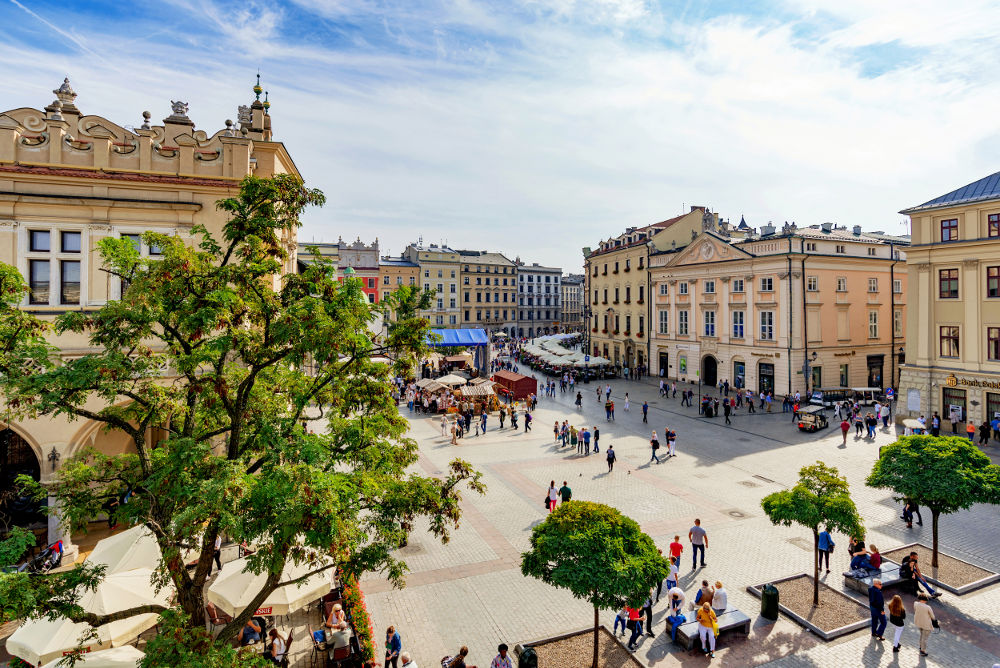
471,592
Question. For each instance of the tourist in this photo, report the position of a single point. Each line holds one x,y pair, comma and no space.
706,629
612,411
501,660
553,496
676,548
277,648
607,410
970,431
585,437
565,493
699,542
924,619
645,411
340,636
935,425
611,458
626,402
705,594
672,577
655,445
825,547
621,618
635,626
671,437
579,401
250,633
393,646
727,410
897,615
916,575
456,661
876,605
555,431
845,427
444,426
597,437
647,609
407,661
527,422
336,616
720,599
874,557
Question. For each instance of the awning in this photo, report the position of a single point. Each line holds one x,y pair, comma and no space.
460,337
477,391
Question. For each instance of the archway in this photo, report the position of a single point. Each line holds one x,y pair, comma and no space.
18,458
709,370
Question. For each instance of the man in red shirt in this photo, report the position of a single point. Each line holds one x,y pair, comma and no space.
845,427
676,548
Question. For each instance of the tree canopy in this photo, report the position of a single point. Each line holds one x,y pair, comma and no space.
275,424
944,473
821,498
598,554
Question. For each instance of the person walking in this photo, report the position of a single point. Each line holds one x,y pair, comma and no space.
923,619
555,431
527,421
845,427
935,425
612,411
897,615
706,629
684,398
645,411
626,402
611,458
699,542
597,437
671,437
502,659
565,493
727,411
553,496
393,646
876,605
585,437
579,400
647,609
824,547
655,445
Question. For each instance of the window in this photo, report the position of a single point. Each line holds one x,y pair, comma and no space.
993,225
69,282
616,295
642,324
385,280
841,284
812,283
628,295
453,276
467,297
465,280
949,341
682,323
451,303
628,322
810,245
440,303
440,288
737,285
709,323
664,322
682,288
872,324
897,286
767,325
427,274
452,288
767,284
38,281
897,322
371,283
949,229
872,285
70,242
413,280
948,284
628,264
993,281
738,317
39,241
710,287
440,273
993,343
452,320
371,298
642,293
844,376
841,249
664,289
871,251
439,319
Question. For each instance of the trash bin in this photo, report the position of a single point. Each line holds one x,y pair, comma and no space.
769,602
527,658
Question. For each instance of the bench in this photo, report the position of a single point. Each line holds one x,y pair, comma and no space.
730,620
889,575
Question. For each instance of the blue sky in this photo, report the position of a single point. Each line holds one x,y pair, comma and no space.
537,127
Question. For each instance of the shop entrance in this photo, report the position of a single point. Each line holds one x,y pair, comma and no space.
765,377
709,370
875,365
664,366
739,374
953,406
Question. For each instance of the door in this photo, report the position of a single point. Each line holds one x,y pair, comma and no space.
953,403
875,364
17,458
664,366
765,377
709,370
740,374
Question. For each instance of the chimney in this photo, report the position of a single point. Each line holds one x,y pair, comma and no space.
767,230
827,227
857,230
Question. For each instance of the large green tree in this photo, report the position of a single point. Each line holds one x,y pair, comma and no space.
821,498
276,424
598,554
944,473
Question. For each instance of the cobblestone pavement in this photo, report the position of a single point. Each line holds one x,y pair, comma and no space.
471,591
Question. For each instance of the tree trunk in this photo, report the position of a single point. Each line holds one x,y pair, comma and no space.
934,523
815,567
596,626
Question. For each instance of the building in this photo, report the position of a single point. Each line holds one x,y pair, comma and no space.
572,302
953,334
615,305
538,299
396,272
364,260
781,311
489,292
439,271
68,180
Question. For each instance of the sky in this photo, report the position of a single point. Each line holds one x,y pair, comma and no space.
539,127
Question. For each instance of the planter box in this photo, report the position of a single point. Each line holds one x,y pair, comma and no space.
830,631
572,650
970,577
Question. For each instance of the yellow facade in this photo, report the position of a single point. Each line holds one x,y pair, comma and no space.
68,180
439,271
953,336
488,291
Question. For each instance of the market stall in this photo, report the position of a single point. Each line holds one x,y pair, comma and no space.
516,385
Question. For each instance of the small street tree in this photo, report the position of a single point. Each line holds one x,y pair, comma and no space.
276,419
597,553
945,473
820,499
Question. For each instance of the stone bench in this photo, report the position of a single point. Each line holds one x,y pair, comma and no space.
889,575
730,620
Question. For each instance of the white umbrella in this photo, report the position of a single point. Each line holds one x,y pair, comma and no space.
451,379
135,548
116,657
42,640
236,587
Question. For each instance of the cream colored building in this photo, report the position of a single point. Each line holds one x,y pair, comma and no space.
439,271
617,285
489,291
753,310
572,302
68,180
953,334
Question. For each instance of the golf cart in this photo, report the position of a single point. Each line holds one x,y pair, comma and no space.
812,418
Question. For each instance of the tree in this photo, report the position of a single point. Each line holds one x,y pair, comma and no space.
233,364
598,554
820,498
944,473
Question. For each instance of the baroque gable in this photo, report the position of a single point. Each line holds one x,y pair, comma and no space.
707,248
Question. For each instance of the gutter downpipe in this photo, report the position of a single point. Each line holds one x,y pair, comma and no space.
788,354
892,316
807,378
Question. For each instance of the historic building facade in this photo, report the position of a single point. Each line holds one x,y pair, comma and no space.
364,260
781,311
953,334
572,302
68,180
439,271
489,292
538,299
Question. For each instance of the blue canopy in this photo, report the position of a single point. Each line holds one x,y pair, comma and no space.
460,337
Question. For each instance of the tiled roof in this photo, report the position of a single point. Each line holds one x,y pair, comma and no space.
986,188
396,261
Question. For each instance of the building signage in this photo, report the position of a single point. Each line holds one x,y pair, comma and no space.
265,612
766,354
953,381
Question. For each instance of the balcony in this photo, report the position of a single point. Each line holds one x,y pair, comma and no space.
605,302
628,301
604,273
628,269
640,301
593,303
639,334
615,301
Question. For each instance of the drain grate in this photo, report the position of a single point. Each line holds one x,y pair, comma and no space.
760,477
748,483
737,514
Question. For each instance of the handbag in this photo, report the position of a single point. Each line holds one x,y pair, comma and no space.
935,624
546,503
715,627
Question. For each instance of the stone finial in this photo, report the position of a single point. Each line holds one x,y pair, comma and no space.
243,114
145,120
65,92
229,129
257,89
267,105
178,108
55,111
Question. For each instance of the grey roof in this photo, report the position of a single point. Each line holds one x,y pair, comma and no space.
743,224
397,261
485,257
986,188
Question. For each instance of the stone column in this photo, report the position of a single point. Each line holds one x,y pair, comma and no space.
59,531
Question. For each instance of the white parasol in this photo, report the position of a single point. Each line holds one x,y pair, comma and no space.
42,640
135,548
116,657
451,379
236,587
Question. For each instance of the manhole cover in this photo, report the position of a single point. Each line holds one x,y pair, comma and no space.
748,483
737,514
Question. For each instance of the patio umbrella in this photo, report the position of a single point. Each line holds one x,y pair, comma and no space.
42,640
451,379
116,657
236,587
135,548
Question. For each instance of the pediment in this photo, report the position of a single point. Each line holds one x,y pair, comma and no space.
708,248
